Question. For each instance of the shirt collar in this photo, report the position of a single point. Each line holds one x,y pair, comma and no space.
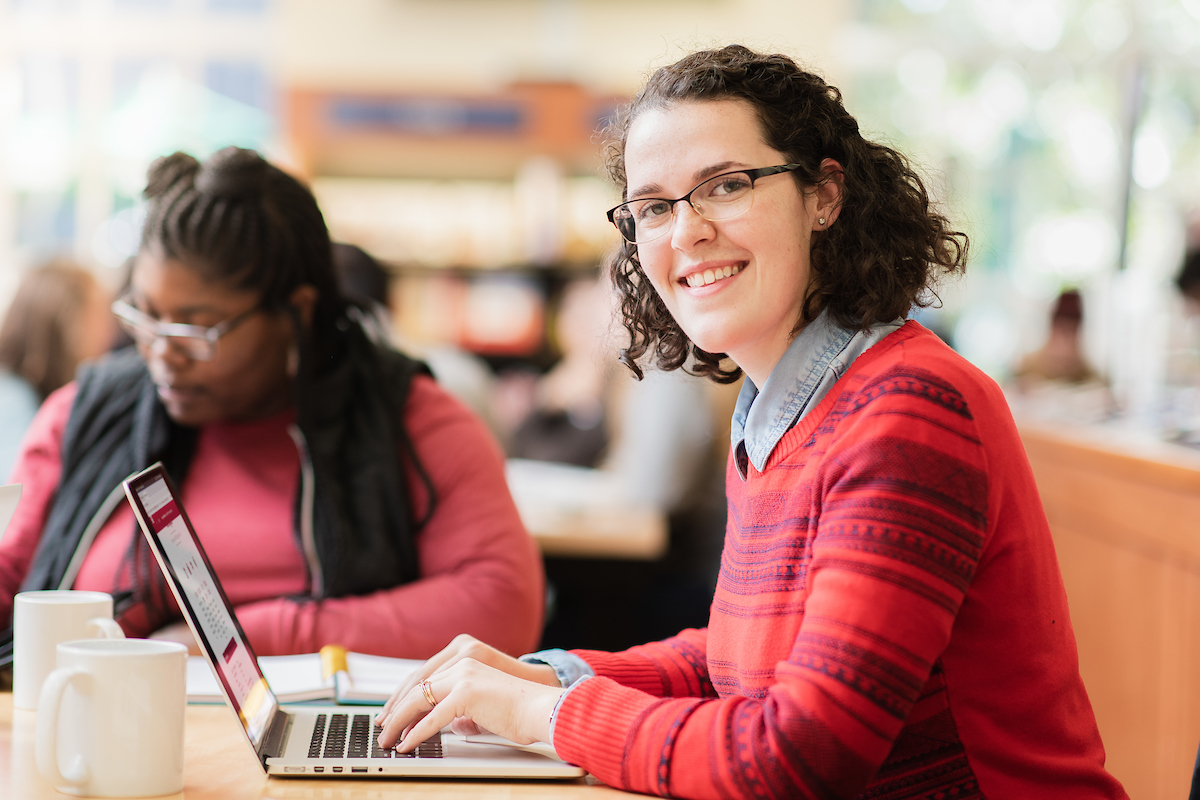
814,361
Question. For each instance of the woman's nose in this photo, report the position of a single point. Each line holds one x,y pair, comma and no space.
688,227
163,351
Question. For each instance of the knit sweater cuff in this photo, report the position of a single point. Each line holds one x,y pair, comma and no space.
593,725
632,671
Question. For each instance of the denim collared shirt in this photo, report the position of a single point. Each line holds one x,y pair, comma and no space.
815,360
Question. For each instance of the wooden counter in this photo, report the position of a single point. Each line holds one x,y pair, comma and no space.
219,765
1125,515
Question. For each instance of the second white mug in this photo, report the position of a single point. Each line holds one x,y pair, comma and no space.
41,620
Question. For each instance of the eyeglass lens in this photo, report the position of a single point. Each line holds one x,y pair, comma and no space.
146,331
199,348
723,197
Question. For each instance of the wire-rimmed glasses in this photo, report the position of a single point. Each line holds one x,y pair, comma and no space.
723,196
197,342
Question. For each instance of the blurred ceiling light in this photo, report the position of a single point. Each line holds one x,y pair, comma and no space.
1090,145
40,153
996,17
1151,158
922,72
10,94
118,237
1107,25
1086,138
1071,247
924,6
1003,91
914,117
979,135
1179,29
1039,25
980,124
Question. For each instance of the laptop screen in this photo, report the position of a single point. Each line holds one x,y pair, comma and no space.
202,599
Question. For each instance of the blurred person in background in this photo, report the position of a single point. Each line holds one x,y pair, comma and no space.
1188,280
889,619
1061,358
367,287
1056,382
342,496
58,318
1181,420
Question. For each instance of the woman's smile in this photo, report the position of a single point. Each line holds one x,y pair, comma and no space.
707,276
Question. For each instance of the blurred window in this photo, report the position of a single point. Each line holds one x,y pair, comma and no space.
241,6
49,84
46,220
243,81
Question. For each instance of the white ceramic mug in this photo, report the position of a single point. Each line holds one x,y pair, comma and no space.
110,718
41,620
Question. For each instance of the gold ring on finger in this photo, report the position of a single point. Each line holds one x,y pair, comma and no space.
427,690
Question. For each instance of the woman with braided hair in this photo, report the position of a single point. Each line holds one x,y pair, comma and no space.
889,619
342,496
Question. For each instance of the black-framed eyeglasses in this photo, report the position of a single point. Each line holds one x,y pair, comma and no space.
197,342
723,196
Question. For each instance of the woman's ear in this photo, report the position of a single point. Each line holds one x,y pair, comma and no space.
829,194
304,300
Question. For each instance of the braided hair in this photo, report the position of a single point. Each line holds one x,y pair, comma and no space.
238,219
881,259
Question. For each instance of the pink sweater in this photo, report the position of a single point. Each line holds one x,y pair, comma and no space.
480,571
889,620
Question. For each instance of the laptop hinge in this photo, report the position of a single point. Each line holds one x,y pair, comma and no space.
273,741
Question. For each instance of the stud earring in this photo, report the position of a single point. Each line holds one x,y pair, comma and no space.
821,221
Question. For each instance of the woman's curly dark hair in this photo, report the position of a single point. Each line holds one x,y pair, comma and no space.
883,256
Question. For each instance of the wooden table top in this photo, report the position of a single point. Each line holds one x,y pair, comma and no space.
219,765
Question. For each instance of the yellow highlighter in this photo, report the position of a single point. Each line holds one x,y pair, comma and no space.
333,661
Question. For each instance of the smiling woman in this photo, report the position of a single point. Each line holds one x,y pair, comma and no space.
341,495
889,619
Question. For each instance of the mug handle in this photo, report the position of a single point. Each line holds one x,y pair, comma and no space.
46,730
107,627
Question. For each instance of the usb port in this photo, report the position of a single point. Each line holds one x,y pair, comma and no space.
337,769
318,769
358,769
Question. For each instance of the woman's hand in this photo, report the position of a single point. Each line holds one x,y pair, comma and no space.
408,702
465,646
178,632
470,692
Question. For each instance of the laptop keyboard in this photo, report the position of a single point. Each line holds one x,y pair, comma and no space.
353,736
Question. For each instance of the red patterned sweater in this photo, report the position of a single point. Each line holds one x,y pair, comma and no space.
889,621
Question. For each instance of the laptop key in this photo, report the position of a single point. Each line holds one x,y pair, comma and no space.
318,736
335,742
430,748
360,736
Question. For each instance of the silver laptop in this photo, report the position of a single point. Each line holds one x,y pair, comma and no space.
321,741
